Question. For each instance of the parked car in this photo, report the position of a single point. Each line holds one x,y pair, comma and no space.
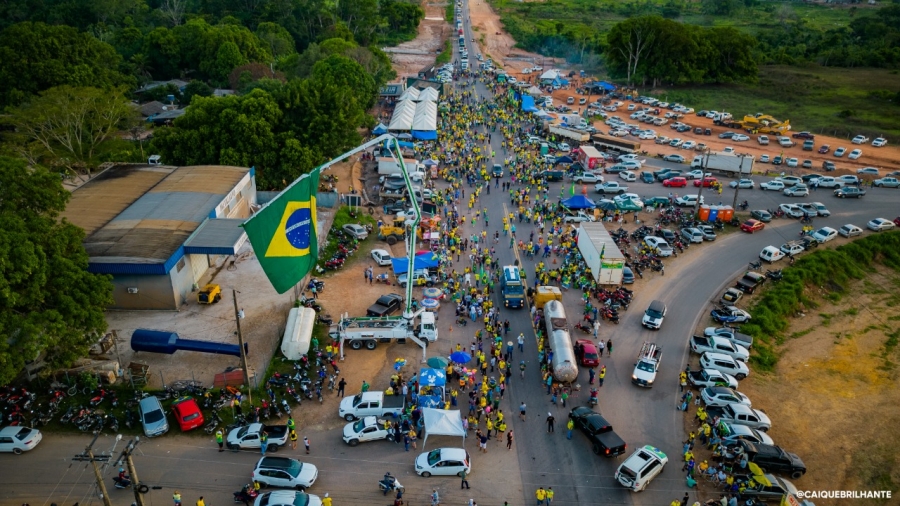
658,246
153,418
381,257
855,154
725,364
187,414
734,432
761,215
764,159
709,233
880,142
722,396
799,190
860,139
674,158
791,210
879,224
744,184
443,462
870,171
824,234
692,235
771,254
359,232
730,314
740,414
588,177
711,378
772,185
751,226
641,467
628,176
284,472
850,230
385,305
772,458
849,192
839,152
675,182
18,439
886,182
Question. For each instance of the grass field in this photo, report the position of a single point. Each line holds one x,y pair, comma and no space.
835,101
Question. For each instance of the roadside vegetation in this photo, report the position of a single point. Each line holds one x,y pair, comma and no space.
821,274
344,216
446,54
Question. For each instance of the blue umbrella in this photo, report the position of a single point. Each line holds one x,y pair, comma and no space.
460,357
430,304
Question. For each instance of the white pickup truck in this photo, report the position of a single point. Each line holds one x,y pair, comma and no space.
610,187
366,429
247,437
366,404
714,344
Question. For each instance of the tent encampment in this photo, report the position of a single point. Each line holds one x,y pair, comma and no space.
404,112
442,422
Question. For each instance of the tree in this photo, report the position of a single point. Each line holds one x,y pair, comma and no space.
52,304
629,41
279,40
65,126
173,11
35,57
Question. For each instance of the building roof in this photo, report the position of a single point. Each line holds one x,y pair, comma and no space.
221,236
143,215
151,108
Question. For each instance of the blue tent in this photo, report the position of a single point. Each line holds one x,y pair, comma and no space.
423,261
432,377
380,129
564,159
528,104
579,202
403,144
425,135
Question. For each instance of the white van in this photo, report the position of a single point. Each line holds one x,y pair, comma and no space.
771,254
641,467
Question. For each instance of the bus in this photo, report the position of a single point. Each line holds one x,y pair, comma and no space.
512,288
607,142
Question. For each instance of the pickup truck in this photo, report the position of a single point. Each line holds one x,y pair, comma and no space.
247,437
750,281
792,248
610,187
704,378
577,217
774,459
366,404
741,415
730,334
703,344
600,433
849,192
366,429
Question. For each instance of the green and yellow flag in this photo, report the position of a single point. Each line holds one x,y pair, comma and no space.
283,233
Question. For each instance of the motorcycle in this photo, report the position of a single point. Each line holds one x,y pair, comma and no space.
584,328
246,495
293,393
592,400
326,319
320,285
285,407
214,422
122,481
129,418
756,265
390,484
774,275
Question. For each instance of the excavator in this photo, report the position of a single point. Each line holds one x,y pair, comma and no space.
765,124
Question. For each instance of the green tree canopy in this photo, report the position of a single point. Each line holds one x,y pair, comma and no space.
51,302
35,57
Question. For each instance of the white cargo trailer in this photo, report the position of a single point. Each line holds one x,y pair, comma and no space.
601,254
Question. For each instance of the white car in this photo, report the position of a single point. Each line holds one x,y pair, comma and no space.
381,257
771,254
356,231
688,200
799,190
791,210
689,145
855,154
744,415
692,235
764,159
711,378
740,138
618,132
366,429
728,150
720,396
658,245
879,224
527,71
674,158
724,363
821,210
850,230
772,185
19,439
284,472
641,467
647,136
839,152
443,462
763,140
287,498
879,142
887,182
824,234
696,174
563,146
872,171
588,177
627,175
860,139
676,142
744,184
792,162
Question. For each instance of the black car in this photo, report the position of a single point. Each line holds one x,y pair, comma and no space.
726,135
773,459
385,305
761,215
698,130
708,131
774,491
683,128
669,174
668,235
809,178
647,177
600,433
849,192
778,160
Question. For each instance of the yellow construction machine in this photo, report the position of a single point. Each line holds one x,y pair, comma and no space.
764,124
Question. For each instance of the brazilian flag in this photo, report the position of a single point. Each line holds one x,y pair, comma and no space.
283,233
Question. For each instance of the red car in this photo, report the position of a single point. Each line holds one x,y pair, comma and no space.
590,358
676,182
188,414
707,182
897,221
751,226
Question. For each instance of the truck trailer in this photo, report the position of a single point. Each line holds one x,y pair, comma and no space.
387,165
601,253
606,142
730,165
569,133
589,157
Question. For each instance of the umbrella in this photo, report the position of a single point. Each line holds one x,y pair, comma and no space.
460,357
430,304
438,362
607,205
433,293
753,467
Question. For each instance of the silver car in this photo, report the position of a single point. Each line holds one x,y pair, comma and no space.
358,232
692,235
153,418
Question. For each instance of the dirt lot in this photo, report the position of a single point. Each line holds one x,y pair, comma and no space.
499,45
834,394
410,57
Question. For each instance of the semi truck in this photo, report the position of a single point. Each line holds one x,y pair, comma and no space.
606,142
512,288
568,133
730,165
387,165
601,253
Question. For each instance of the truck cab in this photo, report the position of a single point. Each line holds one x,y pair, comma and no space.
512,288
647,365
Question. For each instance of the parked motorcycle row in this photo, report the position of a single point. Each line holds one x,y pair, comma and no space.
347,246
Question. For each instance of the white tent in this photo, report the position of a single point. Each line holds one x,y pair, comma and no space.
442,422
402,119
429,94
535,91
550,75
410,94
425,117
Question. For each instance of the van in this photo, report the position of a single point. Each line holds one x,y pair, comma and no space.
771,254
641,467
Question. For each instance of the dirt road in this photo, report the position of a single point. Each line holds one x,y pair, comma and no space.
410,57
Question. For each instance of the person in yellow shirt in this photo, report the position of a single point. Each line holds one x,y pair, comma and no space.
326,501
541,494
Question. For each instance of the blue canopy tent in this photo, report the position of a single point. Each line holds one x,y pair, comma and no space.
403,144
432,386
528,104
579,202
425,135
380,129
423,261
564,159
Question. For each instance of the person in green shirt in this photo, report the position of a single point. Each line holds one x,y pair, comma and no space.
219,440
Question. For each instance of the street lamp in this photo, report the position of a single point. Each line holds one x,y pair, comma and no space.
702,180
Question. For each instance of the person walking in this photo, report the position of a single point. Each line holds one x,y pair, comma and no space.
306,444
549,495
540,494
220,440
200,501
521,341
682,380
569,426
596,328
176,497
326,501
609,348
601,376
550,421
341,385
293,439
522,411
509,440
406,442
465,482
263,442
435,498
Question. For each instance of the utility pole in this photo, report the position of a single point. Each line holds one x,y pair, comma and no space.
737,185
702,180
237,319
88,455
135,483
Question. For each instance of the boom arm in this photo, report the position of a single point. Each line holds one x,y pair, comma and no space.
411,253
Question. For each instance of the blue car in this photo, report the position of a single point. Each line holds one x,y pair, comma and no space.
729,314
